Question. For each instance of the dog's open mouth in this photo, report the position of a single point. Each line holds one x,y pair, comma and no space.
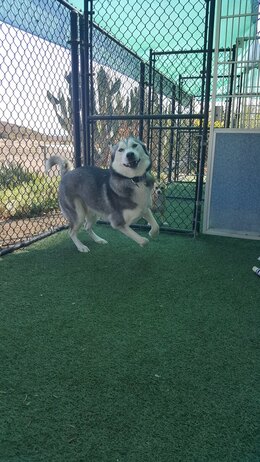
132,163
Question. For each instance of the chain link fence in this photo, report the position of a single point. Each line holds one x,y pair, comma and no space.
35,116
148,65
73,84
120,80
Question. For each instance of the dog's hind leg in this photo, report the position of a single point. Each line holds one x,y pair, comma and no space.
73,235
90,220
75,214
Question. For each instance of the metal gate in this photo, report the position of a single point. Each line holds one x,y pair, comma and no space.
159,94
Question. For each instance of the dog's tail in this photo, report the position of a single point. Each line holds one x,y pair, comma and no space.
64,164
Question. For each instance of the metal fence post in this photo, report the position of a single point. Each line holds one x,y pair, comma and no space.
141,100
83,87
86,71
75,87
150,97
231,87
160,129
171,143
206,118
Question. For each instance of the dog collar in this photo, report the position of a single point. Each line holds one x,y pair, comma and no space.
138,179
135,179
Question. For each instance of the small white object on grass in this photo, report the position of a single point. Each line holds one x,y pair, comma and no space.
256,270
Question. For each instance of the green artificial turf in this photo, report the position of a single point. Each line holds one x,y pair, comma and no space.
130,354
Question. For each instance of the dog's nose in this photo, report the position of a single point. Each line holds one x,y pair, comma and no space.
130,155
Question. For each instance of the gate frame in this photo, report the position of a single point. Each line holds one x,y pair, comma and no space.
86,29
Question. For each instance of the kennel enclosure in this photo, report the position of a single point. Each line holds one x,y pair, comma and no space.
76,80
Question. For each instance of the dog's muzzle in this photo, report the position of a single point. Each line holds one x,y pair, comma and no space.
132,162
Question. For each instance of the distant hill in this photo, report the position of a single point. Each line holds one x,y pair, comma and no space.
13,131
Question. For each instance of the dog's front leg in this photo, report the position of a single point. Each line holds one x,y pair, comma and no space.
148,216
133,235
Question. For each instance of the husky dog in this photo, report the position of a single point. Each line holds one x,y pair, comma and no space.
120,194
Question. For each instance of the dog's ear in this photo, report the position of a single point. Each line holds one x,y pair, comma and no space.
113,150
144,148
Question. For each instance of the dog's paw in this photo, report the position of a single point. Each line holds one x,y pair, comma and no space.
154,232
83,248
101,241
143,241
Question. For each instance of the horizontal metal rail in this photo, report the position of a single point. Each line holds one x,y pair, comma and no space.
183,129
185,52
239,15
94,118
239,95
238,62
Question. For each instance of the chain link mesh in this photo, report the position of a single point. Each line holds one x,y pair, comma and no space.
168,40
147,76
127,80
35,117
146,59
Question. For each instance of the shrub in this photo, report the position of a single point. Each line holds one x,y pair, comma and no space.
12,175
24,194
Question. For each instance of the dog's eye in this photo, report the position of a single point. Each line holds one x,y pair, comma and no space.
120,150
134,145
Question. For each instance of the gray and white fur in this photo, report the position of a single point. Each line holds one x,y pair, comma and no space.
120,194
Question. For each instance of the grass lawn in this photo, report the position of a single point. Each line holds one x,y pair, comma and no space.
130,354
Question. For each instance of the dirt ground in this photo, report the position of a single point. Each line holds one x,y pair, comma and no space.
29,151
16,231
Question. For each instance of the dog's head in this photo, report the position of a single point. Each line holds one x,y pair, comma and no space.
158,198
130,158
158,189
